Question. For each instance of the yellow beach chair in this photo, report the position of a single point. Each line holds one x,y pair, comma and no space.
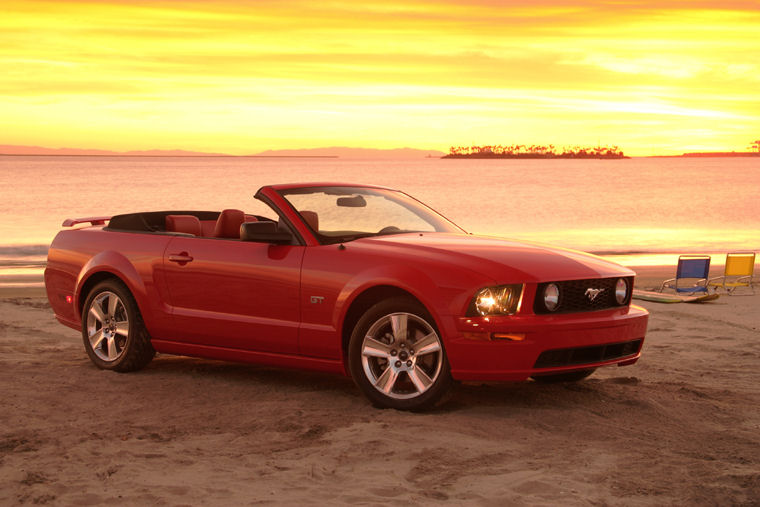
740,268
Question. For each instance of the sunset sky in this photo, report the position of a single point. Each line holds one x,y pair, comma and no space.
653,77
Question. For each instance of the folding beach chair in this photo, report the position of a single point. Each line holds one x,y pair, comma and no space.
740,267
691,275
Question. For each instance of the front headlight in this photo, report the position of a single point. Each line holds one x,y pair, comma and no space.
499,300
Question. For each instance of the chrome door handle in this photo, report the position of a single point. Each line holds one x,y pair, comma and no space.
181,258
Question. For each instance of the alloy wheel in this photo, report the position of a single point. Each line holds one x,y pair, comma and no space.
107,326
401,355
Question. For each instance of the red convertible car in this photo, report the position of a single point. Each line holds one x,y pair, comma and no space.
352,279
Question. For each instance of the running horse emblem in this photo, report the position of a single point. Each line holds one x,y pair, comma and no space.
592,294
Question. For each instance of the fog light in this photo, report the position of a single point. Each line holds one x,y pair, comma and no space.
621,291
551,297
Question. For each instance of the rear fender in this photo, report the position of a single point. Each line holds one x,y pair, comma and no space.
118,265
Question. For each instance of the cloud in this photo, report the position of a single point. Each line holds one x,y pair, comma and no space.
503,64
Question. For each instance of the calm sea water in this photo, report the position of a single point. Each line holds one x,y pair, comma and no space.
633,205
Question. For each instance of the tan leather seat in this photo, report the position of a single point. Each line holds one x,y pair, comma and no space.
187,224
228,224
207,228
311,218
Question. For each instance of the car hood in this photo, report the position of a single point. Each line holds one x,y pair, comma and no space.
503,260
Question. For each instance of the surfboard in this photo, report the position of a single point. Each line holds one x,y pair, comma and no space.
660,297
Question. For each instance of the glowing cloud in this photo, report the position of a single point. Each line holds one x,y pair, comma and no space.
241,77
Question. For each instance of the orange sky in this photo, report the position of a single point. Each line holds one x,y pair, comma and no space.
654,77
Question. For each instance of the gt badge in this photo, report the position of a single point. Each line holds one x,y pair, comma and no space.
317,300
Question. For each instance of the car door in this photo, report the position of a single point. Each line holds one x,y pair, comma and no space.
234,294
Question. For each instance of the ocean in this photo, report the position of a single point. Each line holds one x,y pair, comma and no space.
638,210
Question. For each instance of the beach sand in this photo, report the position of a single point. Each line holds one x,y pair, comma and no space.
682,426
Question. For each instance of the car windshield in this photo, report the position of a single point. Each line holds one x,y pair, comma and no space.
338,214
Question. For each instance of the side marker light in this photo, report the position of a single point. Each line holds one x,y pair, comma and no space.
515,337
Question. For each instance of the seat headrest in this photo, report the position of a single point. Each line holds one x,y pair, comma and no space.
228,224
207,228
188,224
311,218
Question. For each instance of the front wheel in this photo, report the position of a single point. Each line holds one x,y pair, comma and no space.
396,356
113,331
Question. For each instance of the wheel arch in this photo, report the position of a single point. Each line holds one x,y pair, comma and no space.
89,283
364,301
104,266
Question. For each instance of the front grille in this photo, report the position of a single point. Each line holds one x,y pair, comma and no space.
587,355
573,296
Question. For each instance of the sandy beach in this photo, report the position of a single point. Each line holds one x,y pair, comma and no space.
681,427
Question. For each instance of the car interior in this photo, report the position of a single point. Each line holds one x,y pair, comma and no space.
227,225
205,224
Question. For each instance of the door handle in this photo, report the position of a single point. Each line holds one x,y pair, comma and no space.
180,258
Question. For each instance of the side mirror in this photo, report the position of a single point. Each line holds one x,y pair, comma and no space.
264,232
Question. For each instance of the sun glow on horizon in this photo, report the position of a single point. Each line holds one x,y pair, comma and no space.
240,77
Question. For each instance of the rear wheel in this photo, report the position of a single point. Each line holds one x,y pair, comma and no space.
396,356
113,331
572,376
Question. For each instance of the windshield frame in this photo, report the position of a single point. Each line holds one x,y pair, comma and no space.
427,214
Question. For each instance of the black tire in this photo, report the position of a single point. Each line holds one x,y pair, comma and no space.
113,331
573,376
413,379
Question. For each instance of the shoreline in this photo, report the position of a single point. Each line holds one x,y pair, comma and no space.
651,269
648,277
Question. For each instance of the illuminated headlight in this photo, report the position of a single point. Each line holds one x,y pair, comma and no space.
551,297
499,300
621,291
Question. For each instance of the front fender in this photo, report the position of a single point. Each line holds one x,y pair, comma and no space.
443,297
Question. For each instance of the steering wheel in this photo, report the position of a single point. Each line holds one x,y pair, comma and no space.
389,230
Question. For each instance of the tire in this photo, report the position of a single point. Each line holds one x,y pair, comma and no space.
573,376
396,356
113,331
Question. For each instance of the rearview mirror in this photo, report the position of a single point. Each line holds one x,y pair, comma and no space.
264,232
356,201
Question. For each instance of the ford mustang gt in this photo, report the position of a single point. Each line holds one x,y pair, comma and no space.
353,279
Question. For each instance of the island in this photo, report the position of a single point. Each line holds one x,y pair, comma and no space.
535,151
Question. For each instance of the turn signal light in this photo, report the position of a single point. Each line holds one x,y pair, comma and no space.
482,336
515,337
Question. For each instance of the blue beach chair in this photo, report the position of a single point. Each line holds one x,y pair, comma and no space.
691,275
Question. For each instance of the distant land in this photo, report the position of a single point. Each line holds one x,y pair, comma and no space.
535,151
332,152
343,152
724,154
7,149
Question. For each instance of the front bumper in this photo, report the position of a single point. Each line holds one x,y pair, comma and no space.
563,343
